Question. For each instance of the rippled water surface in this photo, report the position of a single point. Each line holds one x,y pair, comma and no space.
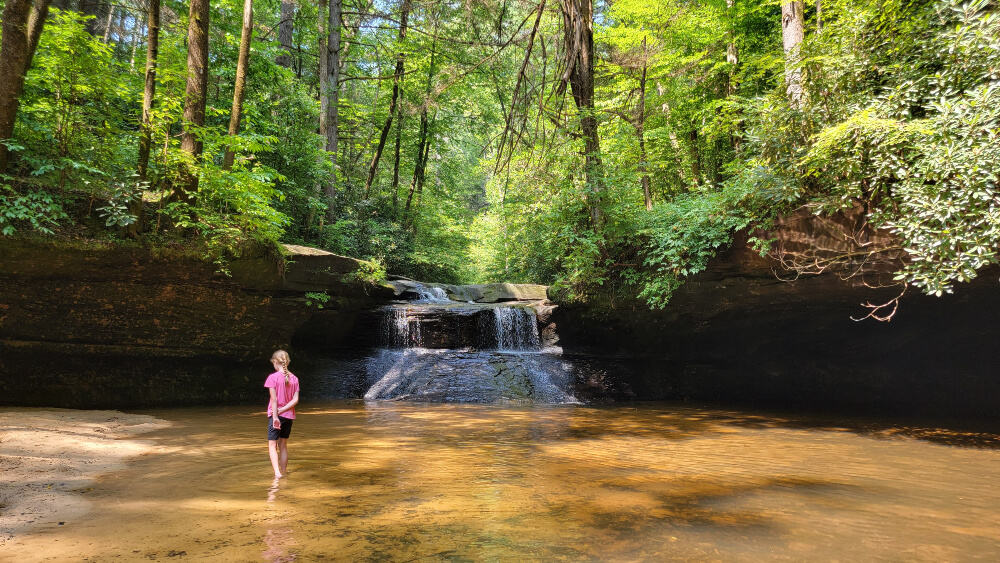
404,482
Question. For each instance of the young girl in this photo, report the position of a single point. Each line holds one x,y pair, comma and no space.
284,389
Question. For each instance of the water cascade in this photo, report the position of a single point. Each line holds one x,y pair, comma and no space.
431,348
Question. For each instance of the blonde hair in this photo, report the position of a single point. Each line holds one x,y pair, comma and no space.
284,360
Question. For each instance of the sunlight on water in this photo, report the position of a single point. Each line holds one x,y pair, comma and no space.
402,481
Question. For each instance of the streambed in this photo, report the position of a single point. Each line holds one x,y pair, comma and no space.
403,481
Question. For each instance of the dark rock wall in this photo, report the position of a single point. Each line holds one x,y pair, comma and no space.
737,333
126,327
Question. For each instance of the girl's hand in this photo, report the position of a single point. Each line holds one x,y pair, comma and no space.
277,423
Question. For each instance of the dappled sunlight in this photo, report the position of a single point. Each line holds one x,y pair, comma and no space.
404,481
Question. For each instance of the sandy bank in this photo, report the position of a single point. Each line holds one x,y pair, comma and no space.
50,457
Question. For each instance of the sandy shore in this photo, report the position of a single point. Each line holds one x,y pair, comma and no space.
50,457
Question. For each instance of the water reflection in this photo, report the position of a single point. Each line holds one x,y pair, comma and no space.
392,481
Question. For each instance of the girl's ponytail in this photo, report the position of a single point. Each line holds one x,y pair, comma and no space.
282,357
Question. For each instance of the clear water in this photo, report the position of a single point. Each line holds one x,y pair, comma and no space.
396,481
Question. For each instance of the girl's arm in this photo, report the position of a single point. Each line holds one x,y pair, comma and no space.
290,404
273,407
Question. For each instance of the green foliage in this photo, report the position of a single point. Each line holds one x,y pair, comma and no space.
922,153
38,209
317,299
899,116
681,236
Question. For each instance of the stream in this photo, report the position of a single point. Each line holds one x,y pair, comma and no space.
403,481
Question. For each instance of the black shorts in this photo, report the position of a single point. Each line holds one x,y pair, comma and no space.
286,428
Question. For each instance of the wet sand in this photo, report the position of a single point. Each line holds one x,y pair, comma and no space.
49,459
400,482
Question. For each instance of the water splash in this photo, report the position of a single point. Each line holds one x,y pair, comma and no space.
466,354
466,376
426,294
400,329
509,329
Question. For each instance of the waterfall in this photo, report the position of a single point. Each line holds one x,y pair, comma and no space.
510,329
435,349
400,329
430,295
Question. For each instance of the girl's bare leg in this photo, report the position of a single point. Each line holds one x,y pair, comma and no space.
283,454
272,449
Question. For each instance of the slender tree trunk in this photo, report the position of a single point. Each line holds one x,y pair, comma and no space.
420,163
136,39
194,95
792,32
400,60
333,90
146,135
578,28
640,129
152,49
395,161
107,24
732,54
695,156
324,56
22,27
285,29
246,35
819,17
733,58
36,22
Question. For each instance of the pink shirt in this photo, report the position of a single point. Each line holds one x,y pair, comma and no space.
285,392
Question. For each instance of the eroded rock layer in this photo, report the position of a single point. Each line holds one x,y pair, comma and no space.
102,326
738,332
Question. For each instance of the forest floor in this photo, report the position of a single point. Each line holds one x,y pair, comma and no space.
50,457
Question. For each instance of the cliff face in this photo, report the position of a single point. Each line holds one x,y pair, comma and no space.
738,333
124,327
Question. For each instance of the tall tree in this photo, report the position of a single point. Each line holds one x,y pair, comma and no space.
333,91
792,32
22,28
194,94
285,29
640,129
578,36
423,142
246,35
732,54
404,12
149,92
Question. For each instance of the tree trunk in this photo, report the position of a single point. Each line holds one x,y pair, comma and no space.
819,17
36,22
324,55
22,27
695,156
285,28
246,35
146,135
152,49
420,163
194,95
792,31
732,55
136,38
395,162
400,59
640,129
578,28
107,24
333,90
